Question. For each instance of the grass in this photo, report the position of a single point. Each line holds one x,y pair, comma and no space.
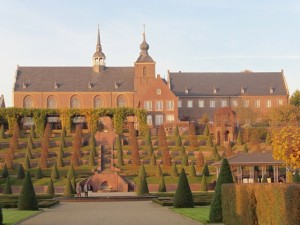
12,216
200,214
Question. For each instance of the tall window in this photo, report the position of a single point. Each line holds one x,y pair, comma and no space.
148,105
280,102
246,103
98,102
179,104
269,103
51,102
75,102
144,71
121,101
159,105
28,102
234,103
159,119
149,119
170,105
223,103
170,118
190,104
201,103
257,103
212,103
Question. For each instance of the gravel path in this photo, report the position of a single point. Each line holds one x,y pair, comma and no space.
109,213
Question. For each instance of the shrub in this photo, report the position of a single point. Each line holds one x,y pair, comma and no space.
200,159
74,159
158,172
62,141
296,177
184,160
43,161
71,172
68,192
203,186
28,153
166,156
225,177
50,188
73,184
183,196
162,185
245,148
54,173
38,173
142,187
45,143
30,142
182,151
14,143
268,139
209,142
20,172
1,216
153,160
92,159
92,142
192,172
214,151
205,170
2,132
149,142
7,188
4,173
27,199
218,157
27,163
174,172
239,139
48,130
142,171
59,160
61,151
178,141
192,136
176,131
206,131
77,144
135,157
32,132
9,161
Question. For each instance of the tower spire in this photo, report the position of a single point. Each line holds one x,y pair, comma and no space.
99,56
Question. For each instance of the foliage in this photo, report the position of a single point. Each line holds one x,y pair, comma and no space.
142,187
71,172
205,170
54,173
284,115
135,157
225,177
43,161
192,172
4,173
183,197
206,131
68,192
50,188
214,151
158,172
142,171
218,158
32,132
182,151
27,199
176,131
8,161
20,172
59,159
2,132
174,172
153,160
192,135
296,177
74,159
7,188
119,151
184,160
245,148
73,184
295,98
268,139
286,145
203,185
28,153
178,141
62,141
209,142
200,159
239,139
162,185
260,204
38,173
92,158
26,163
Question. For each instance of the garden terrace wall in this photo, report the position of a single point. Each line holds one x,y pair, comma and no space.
248,204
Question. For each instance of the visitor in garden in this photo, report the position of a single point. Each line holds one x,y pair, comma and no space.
78,190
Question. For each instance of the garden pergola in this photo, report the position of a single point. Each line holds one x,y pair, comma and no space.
250,160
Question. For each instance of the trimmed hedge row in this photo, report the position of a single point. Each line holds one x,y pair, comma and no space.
248,204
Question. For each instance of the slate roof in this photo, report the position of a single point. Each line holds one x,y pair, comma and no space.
254,159
74,79
228,84
2,102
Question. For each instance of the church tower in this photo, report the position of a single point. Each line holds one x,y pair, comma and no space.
98,57
144,65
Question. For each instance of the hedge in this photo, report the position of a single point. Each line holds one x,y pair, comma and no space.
248,204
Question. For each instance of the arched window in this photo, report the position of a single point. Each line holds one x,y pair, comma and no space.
51,102
121,101
98,102
75,102
28,102
144,71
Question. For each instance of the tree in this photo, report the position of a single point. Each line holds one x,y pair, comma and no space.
268,139
176,131
295,98
59,160
61,151
149,143
50,188
218,158
182,151
184,160
284,115
192,136
54,173
296,177
62,141
27,198
135,157
205,170
43,161
28,153
4,173
142,171
30,142
225,176
203,185
74,159
142,187
119,151
200,159
286,145
20,172
178,141
48,130
158,172
214,151
1,216
245,148
27,163
32,132
153,160
8,161
71,172
2,132
38,173
68,192
162,185
183,196
192,172
92,159
174,172
73,184
206,131
209,142
7,188
239,140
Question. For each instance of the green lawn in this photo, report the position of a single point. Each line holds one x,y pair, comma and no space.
199,214
12,216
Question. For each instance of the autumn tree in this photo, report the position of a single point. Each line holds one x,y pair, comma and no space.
295,98
200,159
135,156
284,115
163,145
192,135
286,145
153,160
2,132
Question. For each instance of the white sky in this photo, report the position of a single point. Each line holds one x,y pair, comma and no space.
189,35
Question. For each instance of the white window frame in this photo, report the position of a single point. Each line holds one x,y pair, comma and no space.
170,117
149,119
235,103
170,105
223,103
246,103
212,104
159,119
201,103
190,103
257,103
269,103
179,104
280,102
148,105
159,105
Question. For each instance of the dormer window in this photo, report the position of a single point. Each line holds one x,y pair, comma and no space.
186,91
271,90
243,90
24,85
55,85
116,85
89,85
215,90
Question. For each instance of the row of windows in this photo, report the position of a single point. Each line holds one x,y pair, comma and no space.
75,102
159,105
224,103
159,119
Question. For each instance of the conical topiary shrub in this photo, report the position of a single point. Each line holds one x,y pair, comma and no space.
142,171
27,198
30,142
203,185
225,177
32,132
142,187
162,185
245,148
61,152
59,160
62,141
73,184
54,173
182,151
178,141
296,177
218,157
4,173
2,133
192,172
239,139
74,159
183,196
38,173
153,160
206,131
214,151
184,160
50,188
68,192
176,131
268,139
200,159
1,216
26,163
43,162
28,153
71,172
158,172
174,172
7,188
209,142
20,172
92,158
205,170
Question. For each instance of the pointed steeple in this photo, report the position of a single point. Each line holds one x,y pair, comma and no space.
99,56
144,46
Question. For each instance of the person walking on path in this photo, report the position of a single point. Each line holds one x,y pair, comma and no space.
85,189
78,190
